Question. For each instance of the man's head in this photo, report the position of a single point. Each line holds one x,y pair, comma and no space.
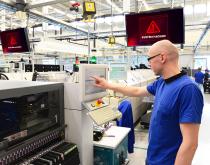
163,56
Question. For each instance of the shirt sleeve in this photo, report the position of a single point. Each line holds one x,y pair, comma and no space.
191,104
151,88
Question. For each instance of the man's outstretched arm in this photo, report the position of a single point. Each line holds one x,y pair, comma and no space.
126,90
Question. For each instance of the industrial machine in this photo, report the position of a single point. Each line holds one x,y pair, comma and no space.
84,105
118,71
17,66
32,129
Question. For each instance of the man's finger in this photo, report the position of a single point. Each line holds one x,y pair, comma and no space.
94,77
96,85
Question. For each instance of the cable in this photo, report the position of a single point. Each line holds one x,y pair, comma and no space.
3,77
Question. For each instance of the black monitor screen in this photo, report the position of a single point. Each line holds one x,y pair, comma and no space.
15,41
147,28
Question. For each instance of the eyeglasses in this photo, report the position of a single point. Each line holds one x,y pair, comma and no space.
149,58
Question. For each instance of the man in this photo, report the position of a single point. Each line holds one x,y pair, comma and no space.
176,116
206,81
199,76
206,75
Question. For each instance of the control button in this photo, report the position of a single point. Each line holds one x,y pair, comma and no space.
99,101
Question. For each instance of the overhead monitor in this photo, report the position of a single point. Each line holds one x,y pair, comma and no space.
118,71
89,91
15,41
146,28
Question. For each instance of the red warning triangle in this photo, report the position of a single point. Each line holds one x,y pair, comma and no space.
13,41
153,28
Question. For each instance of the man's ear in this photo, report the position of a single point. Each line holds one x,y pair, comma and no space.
163,58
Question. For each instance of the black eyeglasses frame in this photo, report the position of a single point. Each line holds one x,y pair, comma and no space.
149,58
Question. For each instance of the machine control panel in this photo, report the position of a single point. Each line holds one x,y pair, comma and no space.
95,104
101,112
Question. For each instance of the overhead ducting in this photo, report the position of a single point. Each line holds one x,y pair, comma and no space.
20,5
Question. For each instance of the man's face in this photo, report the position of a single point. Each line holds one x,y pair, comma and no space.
155,63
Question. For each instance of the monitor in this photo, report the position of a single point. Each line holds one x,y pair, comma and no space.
118,71
15,41
89,91
148,27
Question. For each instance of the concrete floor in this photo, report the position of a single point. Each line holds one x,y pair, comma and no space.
202,156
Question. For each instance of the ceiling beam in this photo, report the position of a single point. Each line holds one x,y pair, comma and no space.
201,37
8,4
52,20
32,6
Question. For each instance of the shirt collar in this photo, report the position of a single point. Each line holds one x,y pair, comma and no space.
170,79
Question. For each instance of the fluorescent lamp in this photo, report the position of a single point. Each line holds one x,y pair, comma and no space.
145,4
78,23
118,18
70,16
126,5
63,13
39,29
53,27
108,20
188,10
21,15
99,20
165,2
114,5
59,11
208,9
199,8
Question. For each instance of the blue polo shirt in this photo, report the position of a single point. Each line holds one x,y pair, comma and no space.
199,76
177,100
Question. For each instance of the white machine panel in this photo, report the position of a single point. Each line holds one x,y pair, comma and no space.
80,125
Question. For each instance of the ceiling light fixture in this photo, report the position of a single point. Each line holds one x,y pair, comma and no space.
188,10
114,6
208,9
145,4
62,13
21,15
199,8
165,2
99,20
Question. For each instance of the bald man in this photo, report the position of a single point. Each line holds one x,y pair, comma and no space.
178,105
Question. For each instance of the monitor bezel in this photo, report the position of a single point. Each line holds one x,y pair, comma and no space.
82,70
25,40
155,11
